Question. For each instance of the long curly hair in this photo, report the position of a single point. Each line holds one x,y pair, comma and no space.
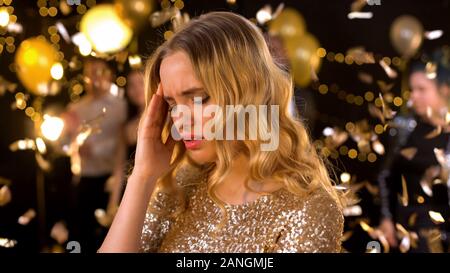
231,59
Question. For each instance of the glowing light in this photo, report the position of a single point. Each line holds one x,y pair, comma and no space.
345,177
40,144
57,71
52,127
84,46
105,29
4,17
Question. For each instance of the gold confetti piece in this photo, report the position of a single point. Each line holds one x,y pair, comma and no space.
135,61
440,157
159,18
436,217
384,87
372,189
103,218
357,5
430,70
335,137
408,153
27,217
359,15
408,239
427,180
376,113
378,147
405,244
7,243
5,195
23,144
391,73
265,14
387,112
364,146
365,77
375,234
404,196
359,54
346,235
436,132
42,162
426,188
433,34
366,227
63,31
64,7
59,232
355,210
412,219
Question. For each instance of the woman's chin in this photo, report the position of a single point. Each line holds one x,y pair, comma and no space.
200,157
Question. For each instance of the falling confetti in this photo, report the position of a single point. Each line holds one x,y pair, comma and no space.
5,195
359,54
59,232
391,73
408,153
433,34
7,243
404,196
436,217
27,217
360,15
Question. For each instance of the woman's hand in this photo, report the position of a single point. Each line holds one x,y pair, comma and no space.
152,157
151,161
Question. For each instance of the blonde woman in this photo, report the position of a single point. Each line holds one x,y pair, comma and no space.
223,195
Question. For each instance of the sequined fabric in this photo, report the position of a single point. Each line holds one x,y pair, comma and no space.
280,222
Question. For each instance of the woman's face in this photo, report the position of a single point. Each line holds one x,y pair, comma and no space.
424,94
180,86
135,89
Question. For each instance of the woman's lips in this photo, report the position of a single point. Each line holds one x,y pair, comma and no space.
192,144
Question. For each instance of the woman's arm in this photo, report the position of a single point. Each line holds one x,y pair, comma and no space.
151,161
125,232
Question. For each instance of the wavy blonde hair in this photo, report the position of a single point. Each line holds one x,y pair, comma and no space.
231,59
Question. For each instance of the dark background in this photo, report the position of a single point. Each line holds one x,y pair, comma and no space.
326,20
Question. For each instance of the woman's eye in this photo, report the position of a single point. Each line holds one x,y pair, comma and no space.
203,100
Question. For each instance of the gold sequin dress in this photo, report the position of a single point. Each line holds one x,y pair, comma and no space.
279,222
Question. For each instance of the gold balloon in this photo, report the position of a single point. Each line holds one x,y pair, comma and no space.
288,23
34,59
303,58
406,35
135,12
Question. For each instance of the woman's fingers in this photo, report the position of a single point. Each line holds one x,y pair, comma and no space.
155,114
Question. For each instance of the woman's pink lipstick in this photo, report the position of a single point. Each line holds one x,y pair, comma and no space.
192,144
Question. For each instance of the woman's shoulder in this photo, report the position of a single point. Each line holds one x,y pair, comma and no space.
318,200
314,223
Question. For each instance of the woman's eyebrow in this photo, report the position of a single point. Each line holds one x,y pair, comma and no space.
186,93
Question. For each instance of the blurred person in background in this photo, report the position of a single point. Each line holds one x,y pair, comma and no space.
101,156
410,194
